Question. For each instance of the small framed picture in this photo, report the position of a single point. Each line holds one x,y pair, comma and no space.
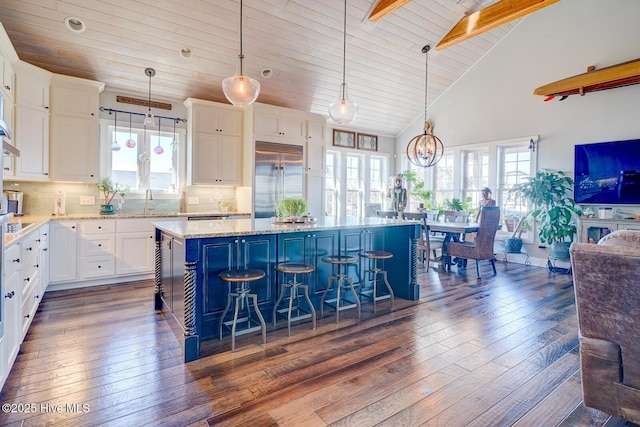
344,138
367,142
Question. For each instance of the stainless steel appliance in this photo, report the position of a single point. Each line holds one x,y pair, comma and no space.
279,173
14,202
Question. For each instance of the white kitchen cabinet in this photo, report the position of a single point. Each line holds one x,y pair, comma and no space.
31,132
30,273
62,252
135,246
74,129
278,126
8,160
214,143
43,243
317,131
8,77
96,248
12,308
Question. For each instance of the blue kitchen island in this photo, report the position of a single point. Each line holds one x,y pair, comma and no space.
191,254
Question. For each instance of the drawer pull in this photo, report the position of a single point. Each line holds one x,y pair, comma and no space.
27,316
16,260
29,248
99,245
10,294
27,279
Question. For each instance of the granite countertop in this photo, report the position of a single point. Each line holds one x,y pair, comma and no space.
246,227
32,222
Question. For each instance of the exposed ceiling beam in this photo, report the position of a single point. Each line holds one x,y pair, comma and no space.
489,18
385,7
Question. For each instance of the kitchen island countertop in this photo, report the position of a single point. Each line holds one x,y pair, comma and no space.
245,227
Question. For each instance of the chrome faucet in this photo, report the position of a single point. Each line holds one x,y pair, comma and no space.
148,201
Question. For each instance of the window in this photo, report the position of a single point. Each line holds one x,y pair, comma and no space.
354,199
463,171
476,176
146,159
515,168
443,180
377,180
360,177
332,184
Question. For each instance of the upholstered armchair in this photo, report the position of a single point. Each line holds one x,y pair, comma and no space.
482,247
606,281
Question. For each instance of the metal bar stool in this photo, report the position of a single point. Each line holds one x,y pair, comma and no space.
340,279
242,278
371,293
293,285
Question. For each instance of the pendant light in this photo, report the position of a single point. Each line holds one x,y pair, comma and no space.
159,150
115,146
241,90
174,143
130,143
343,110
149,119
425,150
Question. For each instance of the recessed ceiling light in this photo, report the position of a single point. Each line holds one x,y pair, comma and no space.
266,73
74,24
185,52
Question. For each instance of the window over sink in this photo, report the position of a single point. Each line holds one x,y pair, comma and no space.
143,159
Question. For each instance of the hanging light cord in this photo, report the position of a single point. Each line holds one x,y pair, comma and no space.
241,56
426,50
344,44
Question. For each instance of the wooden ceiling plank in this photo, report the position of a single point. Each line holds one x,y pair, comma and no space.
385,7
489,18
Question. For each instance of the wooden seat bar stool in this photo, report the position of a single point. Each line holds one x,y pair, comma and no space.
241,295
340,303
372,293
293,286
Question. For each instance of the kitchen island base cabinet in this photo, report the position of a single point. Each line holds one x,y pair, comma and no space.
209,250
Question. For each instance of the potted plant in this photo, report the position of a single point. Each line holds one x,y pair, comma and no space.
417,189
291,207
109,190
513,244
550,196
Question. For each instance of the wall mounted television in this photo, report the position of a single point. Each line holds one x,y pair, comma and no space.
608,173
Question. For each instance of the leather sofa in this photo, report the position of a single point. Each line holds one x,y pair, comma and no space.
606,279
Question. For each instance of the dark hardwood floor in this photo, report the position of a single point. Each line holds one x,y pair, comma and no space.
499,351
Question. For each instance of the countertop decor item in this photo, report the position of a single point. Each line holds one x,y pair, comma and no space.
109,189
343,110
291,207
241,90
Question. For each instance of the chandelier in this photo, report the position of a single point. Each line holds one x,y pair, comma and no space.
426,149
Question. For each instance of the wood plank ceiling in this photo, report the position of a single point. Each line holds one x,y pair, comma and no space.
299,40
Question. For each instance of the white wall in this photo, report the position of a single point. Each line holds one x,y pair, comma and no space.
494,100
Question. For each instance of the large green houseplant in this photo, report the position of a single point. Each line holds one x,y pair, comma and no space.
553,208
417,189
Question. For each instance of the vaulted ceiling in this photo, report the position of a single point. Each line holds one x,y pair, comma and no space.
299,41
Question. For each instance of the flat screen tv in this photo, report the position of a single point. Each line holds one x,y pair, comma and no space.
608,173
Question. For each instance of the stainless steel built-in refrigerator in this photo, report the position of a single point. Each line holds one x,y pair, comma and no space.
279,173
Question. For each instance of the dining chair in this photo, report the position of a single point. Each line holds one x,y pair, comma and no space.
423,241
482,247
387,214
456,216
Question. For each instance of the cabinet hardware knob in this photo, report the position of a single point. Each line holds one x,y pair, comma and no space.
10,294
37,265
27,279
27,316
44,249
29,248
46,173
99,245
36,297
16,260
99,266
46,108
6,169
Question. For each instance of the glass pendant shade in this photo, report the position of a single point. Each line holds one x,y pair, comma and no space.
343,110
241,90
149,119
